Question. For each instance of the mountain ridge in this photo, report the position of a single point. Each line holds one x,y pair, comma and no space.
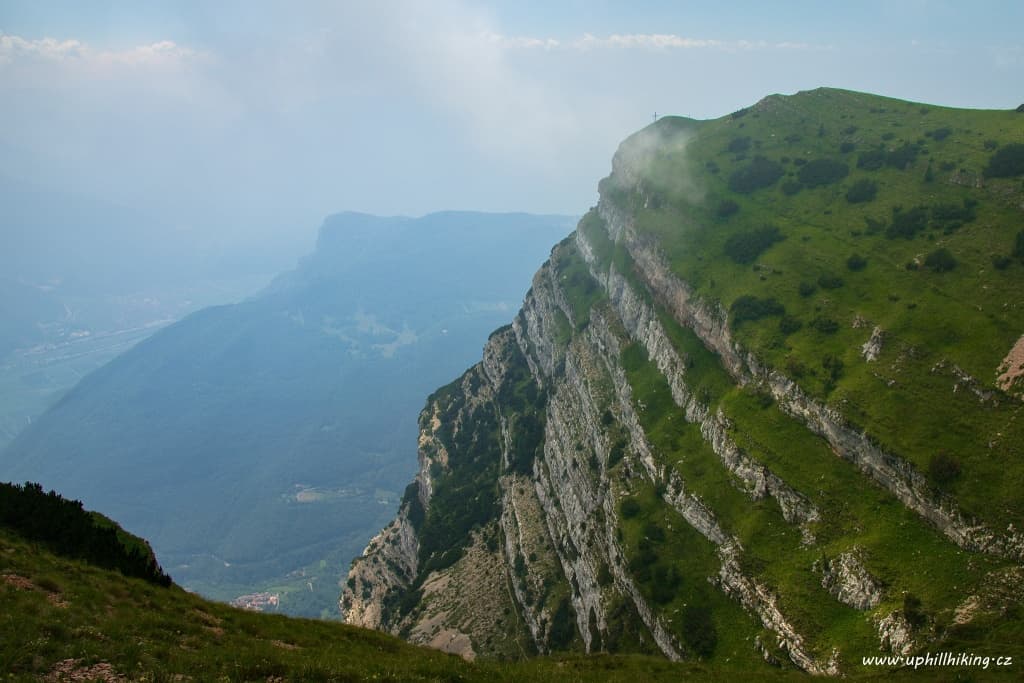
765,370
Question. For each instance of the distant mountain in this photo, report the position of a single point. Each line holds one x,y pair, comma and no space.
257,440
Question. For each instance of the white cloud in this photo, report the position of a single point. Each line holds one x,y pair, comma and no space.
647,41
15,50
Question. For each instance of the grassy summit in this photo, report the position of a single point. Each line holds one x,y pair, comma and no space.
886,214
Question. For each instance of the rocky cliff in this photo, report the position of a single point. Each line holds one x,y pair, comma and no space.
733,420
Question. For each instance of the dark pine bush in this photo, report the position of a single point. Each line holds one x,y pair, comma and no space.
907,224
748,307
940,260
822,172
943,469
726,208
739,145
829,281
871,160
745,247
791,187
760,172
1006,162
863,190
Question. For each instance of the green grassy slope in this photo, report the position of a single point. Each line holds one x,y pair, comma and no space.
812,219
842,267
66,619
56,610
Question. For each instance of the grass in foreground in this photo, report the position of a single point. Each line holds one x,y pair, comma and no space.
67,616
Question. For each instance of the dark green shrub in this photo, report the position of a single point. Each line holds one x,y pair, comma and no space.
699,630
745,247
849,130
912,611
795,367
943,469
991,145
799,161
871,160
760,172
829,281
949,217
847,147
653,532
665,582
726,208
856,262
825,326
629,508
940,260
617,453
806,289
939,134
749,307
789,324
822,172
833,367
907,224
902,157
411,499
1007,161
563,626
1001,261
527,441
519,566
863,190
1018,245
791,187
644,561
739,145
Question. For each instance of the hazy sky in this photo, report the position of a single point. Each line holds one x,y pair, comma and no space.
257,116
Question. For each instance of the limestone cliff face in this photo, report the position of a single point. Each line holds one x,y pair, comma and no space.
611,477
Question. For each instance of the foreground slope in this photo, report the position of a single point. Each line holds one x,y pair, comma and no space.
72,620
763,408
259,445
